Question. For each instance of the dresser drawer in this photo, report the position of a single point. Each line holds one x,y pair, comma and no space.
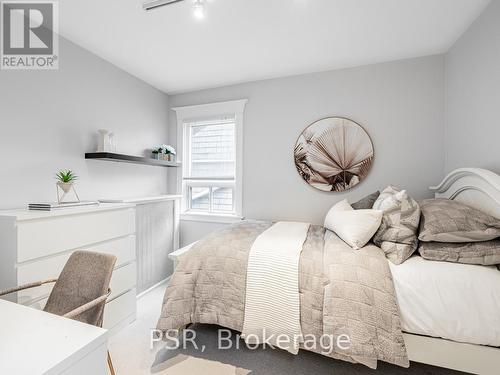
50,268
122,248
40,238
123,279
119,309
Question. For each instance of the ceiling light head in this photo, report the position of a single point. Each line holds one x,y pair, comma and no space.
153,4
199,9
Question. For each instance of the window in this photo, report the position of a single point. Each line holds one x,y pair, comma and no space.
211,180
211,171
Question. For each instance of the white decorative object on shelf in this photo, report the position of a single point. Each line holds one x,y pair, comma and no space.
104,144
112,142
164,152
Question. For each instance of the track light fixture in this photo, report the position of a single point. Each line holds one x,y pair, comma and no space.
198,6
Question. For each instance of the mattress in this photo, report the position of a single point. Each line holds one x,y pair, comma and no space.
453,301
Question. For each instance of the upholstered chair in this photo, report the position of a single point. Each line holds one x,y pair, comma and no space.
81,290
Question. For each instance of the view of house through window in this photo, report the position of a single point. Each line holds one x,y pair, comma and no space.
211,155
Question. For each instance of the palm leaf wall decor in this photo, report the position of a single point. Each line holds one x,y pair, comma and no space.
333,154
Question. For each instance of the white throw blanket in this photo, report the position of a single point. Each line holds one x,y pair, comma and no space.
272,306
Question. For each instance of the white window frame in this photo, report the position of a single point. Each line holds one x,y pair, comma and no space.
201,112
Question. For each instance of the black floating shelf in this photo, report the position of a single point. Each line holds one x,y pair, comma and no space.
120,158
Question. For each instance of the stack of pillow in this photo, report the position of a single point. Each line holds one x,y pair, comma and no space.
447,230
453,232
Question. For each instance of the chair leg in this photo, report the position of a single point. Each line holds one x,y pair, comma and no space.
110,365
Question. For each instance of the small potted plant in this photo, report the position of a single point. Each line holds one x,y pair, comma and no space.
65,181
157,153
169,153
164,152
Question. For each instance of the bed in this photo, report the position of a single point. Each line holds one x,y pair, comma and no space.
478,188
450,313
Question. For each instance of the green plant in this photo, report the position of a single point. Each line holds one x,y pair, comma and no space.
164,149
66,176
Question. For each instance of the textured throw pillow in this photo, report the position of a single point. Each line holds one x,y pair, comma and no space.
446,220
367,202
397,234
355,227
485,253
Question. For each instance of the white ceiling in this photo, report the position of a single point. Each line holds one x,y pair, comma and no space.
247,40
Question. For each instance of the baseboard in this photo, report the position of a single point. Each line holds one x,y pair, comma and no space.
164,281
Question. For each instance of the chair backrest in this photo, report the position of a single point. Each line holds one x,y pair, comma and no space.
84,278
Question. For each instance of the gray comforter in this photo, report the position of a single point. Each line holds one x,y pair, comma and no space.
342,292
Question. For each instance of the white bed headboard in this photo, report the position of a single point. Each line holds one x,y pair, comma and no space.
478,188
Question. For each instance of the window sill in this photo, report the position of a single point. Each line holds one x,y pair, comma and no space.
210,218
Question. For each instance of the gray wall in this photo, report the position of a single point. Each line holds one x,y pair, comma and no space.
473,95
48,120
400,104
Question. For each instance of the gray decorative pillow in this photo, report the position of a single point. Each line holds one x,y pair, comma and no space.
367,202
445,220
485,253
397,234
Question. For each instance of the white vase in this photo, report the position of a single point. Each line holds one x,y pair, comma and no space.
112,142
103,143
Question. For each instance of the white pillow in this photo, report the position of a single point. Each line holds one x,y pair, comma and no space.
355,227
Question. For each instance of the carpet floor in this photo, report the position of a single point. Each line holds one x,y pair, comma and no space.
132,354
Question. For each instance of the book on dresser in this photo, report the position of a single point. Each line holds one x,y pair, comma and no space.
51,206
35,246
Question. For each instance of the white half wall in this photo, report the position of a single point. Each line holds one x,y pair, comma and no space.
49,119
473,95
400,104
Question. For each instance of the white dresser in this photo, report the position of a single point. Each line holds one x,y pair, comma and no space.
35,245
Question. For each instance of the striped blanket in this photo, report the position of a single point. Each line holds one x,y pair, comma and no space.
272,303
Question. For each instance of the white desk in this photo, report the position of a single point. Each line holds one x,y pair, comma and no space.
33,342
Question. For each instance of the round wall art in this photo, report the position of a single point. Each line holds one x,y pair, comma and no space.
333,154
